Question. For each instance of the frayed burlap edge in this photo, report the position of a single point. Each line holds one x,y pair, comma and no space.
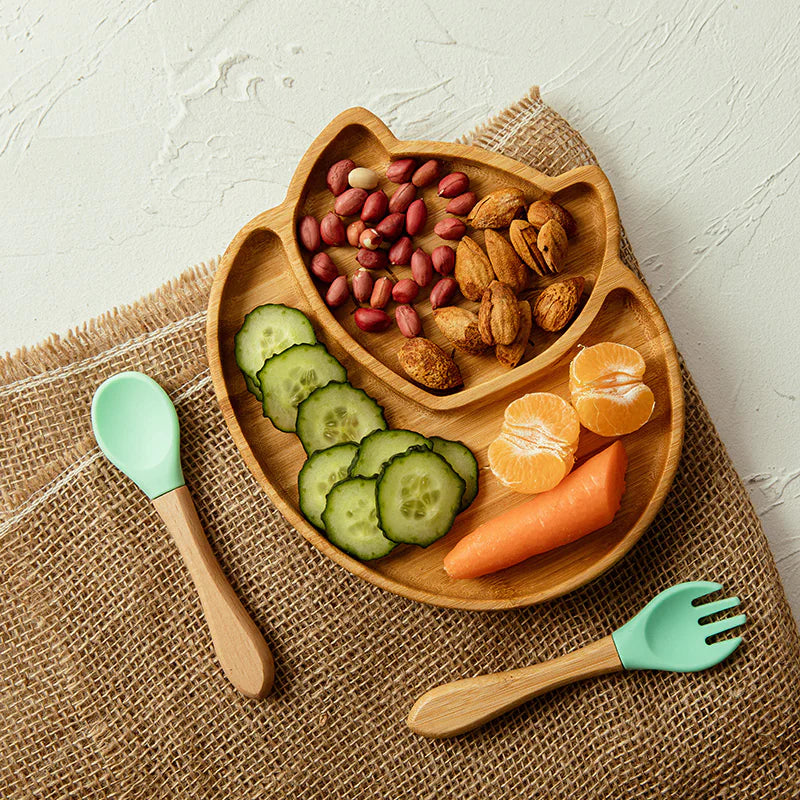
180,296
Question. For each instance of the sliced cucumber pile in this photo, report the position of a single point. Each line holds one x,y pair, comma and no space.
380,447
320,472
460,458
288,378
367,488
337,413
266,331
419,495
351,519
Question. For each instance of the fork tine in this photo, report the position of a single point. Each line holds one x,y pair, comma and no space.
700,588
723,625
721,650
707,609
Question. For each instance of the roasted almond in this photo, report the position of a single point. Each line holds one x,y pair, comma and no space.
460,327
543,210
497,209
473,270
507,265
552,243
426,363
556,305
498,317
511,354
523,238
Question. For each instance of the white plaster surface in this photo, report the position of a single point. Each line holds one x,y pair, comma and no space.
137,136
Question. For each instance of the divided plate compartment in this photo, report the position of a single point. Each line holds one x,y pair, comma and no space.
264,264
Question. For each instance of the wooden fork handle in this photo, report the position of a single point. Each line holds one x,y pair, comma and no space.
240,647
458,707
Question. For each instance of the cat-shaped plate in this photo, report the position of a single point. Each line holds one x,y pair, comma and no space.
264,264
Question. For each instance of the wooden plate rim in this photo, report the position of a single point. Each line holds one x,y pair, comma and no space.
613,274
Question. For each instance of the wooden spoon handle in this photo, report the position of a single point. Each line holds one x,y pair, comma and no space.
458,707
240,647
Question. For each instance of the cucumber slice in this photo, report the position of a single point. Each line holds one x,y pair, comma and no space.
337,413
267,330
320,472
461,459
380,446
252,386
289,377
351,519
419,495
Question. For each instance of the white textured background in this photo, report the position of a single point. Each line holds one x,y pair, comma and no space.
136,137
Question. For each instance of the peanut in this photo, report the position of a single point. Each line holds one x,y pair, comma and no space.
331,229
421,267
454,184
362,178
443,292
408,321
338,293
372,320
400,251
416,217
350,202
337,175
308,232
381,293
400,171
405,291
323,268
375,206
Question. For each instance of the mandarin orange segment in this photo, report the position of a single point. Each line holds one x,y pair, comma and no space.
536,445
607,389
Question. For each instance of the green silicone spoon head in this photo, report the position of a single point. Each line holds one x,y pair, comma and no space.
137,429
671,633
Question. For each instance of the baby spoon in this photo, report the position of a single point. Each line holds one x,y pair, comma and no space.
137,429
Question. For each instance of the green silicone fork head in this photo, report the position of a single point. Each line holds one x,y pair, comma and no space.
136,426
669,633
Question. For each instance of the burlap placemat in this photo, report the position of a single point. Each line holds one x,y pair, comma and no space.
109,686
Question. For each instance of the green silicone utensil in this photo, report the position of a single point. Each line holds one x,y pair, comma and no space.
137,429
670,633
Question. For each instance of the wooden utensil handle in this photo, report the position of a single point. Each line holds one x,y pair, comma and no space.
240,647
458,707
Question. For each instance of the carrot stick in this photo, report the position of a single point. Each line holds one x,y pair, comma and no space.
586,500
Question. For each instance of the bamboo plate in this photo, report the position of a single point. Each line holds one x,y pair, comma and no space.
264,264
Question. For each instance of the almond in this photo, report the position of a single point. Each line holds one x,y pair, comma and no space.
556,305
552,242
543,210
523,237
510,355
473,270
498,318
426,363
460,328
507,265
497,209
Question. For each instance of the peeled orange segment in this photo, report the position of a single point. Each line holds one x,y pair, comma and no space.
536,445
607,389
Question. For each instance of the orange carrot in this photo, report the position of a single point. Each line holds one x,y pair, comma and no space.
587,499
